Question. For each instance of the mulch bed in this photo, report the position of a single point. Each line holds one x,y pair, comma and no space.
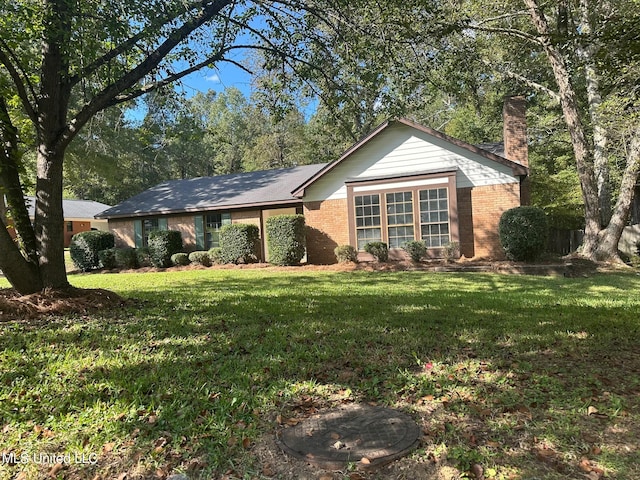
14,306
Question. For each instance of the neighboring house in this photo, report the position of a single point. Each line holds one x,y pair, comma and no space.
79,216
403,181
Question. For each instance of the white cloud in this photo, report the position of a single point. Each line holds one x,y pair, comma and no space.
213,78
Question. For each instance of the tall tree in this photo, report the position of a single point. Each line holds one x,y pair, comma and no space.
67,60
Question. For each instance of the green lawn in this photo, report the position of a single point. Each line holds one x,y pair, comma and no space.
530,377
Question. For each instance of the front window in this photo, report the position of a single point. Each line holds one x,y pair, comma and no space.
213,223
367,217
434,217
149,225
400,218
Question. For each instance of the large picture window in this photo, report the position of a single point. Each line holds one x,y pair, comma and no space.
367,216
434,217
397,212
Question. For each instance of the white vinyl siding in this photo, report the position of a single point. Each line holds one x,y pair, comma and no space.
402,150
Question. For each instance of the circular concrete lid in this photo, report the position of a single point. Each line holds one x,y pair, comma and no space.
369,436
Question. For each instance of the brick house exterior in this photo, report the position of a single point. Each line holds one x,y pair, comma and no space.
402,182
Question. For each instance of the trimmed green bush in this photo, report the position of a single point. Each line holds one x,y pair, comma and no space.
239,243
523,233
416,249
163,244
379,250
200,257
214,255
143,259
346,254
108,258
180,259
85,246
127,258
286,239
451,251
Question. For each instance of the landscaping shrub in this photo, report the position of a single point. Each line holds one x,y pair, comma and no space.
108,258
239,243
523,233
215,256
180,259
379,250
200,257
127,258
416,249
286,239
143,259
163,244
451,251
85,246
346,253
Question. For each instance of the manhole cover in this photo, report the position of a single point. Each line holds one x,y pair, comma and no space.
364,434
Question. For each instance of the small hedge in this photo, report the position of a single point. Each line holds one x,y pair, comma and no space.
239,243
214,255
346,254
163,244
416,249
143,259
523,233
180,259
85,246
127,258
200,257
379,250
108,258
286,239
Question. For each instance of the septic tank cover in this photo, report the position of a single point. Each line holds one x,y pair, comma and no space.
369,436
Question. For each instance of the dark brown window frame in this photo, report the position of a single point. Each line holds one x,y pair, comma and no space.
448,181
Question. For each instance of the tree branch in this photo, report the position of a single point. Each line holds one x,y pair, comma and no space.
516,76
17,75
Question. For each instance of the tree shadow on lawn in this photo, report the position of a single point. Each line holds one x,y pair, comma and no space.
501,371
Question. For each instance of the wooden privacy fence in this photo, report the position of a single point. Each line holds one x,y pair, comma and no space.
564,242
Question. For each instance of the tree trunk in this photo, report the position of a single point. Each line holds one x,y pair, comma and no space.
609,237
571,113
49,218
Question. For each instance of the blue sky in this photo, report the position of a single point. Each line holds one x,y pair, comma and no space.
224,76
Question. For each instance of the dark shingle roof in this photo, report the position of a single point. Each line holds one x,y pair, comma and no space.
73,208
266,187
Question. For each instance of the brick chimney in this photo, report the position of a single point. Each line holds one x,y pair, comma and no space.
515,129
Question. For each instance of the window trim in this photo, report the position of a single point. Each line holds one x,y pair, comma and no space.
404,184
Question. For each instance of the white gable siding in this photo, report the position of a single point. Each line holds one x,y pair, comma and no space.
402,150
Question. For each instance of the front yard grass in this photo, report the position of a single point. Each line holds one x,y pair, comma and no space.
526,377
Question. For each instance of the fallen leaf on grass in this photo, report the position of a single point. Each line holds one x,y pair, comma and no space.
246,443
267,470
55,469
21,476
478,471
365,461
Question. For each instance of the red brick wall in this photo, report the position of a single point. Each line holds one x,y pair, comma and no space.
479,212
327,227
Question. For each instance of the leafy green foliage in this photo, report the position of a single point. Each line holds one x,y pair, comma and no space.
127,258
286,239
523,233
180,259
200,257
239,243
379,250
416,249
163,244
107,258
85,246
346,254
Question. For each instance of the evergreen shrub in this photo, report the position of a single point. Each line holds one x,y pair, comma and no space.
239,243
346,254
85,246
523,233
286,239
200,257
379,250
163,244
180,258
416,249
127,258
